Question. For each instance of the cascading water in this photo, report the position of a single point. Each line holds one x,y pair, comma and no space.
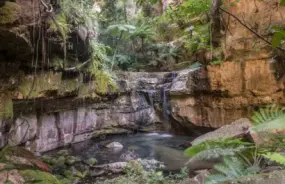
165,106
164,95
150,94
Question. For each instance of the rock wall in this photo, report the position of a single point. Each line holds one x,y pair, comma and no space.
48,118
218,95
58,112
250,77
239,42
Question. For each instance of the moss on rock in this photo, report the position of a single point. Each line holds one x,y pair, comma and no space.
9,13
6,106
32,176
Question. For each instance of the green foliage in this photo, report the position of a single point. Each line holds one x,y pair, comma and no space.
195,7
269,118
276,157
231,168
6,107
103,79
143,31
82,175
9,12
199,39
144,2
267,114
61,25
216,148
39,177
278,37
121,29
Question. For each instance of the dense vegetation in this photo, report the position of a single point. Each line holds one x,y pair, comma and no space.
122,36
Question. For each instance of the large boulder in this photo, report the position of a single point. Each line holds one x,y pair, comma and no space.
237,129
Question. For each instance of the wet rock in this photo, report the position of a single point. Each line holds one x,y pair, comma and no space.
110,131
128,155
48,137
66,124
237,129
86,120
173,159
151,164
13,175
116,167
190,81
24,129
116,145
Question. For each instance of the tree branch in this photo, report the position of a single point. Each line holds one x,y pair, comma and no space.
252,31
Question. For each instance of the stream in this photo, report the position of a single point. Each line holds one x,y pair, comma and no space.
162,147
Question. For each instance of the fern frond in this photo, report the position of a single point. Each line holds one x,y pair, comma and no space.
231,168
230,144
267,114
276,157
277,123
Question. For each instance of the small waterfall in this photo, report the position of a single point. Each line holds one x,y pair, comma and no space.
165,105
150,94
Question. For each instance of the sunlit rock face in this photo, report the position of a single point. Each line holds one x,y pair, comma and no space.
231,91
239,42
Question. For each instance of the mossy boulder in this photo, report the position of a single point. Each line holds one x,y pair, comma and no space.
32,176
6,106
62,153
9,13
71,160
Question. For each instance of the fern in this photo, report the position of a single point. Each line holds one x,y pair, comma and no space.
269,118
216,148
276,157
231,168
264,115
